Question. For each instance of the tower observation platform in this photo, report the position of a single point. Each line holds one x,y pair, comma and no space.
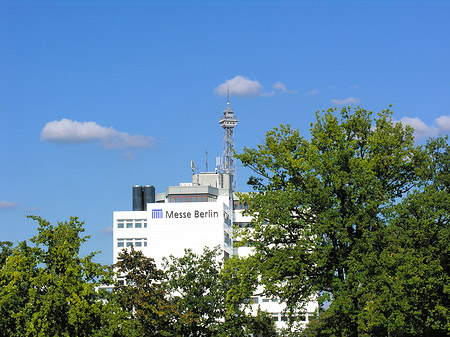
228,121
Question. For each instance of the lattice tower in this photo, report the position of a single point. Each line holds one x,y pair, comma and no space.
228,121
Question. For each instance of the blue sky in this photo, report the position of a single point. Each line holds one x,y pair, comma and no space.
98,96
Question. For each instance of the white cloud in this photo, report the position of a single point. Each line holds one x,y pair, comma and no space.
68,131
422,130
282,88
240,86
345,101
7,205
312,92
443,123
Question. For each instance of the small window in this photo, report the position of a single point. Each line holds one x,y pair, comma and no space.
145,242
266,300
120,243
129,224
120,224
145,225
284,318
129,242
274,299
275,317
138,243
138,224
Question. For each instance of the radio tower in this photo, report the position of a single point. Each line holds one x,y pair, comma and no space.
228,122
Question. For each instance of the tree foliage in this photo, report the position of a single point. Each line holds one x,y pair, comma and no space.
142,295
49,290
204,292
324,214
193,282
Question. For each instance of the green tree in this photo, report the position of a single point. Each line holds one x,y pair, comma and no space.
319,207
142,295
193,282
6,249
410,295
48,289
239,279
208,296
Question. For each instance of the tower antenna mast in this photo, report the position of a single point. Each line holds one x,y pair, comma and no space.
228,121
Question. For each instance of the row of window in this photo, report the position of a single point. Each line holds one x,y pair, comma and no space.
242,224
132,223
305,317
135,242
255,300
239,205
191,198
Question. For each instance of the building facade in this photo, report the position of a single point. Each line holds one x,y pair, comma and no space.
193,215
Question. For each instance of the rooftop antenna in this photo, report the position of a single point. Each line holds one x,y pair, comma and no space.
206,154
228,121
193,167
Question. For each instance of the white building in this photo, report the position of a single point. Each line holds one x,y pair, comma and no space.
193,215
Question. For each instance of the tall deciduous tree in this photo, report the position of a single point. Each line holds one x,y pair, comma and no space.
142,295
410,293
193,282
49,290
320,206
210,297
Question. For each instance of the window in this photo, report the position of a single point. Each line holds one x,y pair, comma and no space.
238,205
284,318
266,300
135,242
274,299
191,198
131,223
227,239
252,300
275,317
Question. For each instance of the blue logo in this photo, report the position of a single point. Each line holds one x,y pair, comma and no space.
157,214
